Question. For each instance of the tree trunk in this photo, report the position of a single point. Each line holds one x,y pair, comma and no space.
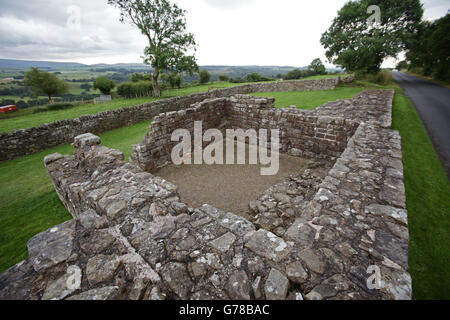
156,89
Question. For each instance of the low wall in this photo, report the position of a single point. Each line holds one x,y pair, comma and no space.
28,141
300,133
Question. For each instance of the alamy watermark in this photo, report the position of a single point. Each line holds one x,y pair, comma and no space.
73,282
213,153
375,18
374,282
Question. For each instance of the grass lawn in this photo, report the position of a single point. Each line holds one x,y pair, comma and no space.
28,201
428,204
309,100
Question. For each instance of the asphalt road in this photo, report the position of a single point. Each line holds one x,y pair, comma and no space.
432,102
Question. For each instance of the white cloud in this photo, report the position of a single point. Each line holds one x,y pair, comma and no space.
228,32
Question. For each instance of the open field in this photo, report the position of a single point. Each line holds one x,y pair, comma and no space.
309,100
29,204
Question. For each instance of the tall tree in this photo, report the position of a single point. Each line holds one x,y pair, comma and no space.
43,82
316,67
104,85
429,53
357,45
164,25
205,76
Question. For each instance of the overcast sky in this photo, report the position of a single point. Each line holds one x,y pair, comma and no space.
228,32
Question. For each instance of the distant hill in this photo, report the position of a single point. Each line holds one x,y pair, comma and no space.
23,64
231,71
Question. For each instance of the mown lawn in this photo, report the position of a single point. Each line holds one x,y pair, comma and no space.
428,204
309,100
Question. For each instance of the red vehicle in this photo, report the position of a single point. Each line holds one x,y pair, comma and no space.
8,108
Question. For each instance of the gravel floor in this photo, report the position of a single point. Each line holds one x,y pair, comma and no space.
227,187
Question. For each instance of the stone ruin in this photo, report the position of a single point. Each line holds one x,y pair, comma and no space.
133,238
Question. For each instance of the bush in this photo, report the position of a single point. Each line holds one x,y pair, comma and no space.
383,77
296,74
256,77
205,76
54,107
136,77
224,78
237,80
135,89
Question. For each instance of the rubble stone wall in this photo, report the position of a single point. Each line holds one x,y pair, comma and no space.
132,238
301,134
23,142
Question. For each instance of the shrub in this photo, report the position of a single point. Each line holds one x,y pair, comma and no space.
237,80
383,77
205,76
54,107
224,78
135,89
256,77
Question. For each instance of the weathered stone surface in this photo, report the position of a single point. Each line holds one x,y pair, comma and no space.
97,242
276,286
296,273
105,293
238,287
395,213
176,276
51,247
101,268
312,260
58,289
267,245
224,242
91,220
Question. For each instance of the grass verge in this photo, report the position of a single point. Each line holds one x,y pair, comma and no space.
428,204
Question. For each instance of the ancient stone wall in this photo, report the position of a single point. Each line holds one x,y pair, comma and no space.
301,134
28,141
132,238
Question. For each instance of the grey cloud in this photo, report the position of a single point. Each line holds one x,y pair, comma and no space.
38,30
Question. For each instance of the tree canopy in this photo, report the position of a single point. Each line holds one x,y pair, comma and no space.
47,83
164,25
104,85
429,51
205,76
317,68
357,45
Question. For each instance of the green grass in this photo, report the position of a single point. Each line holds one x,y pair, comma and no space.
311,99
28,201
428,204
